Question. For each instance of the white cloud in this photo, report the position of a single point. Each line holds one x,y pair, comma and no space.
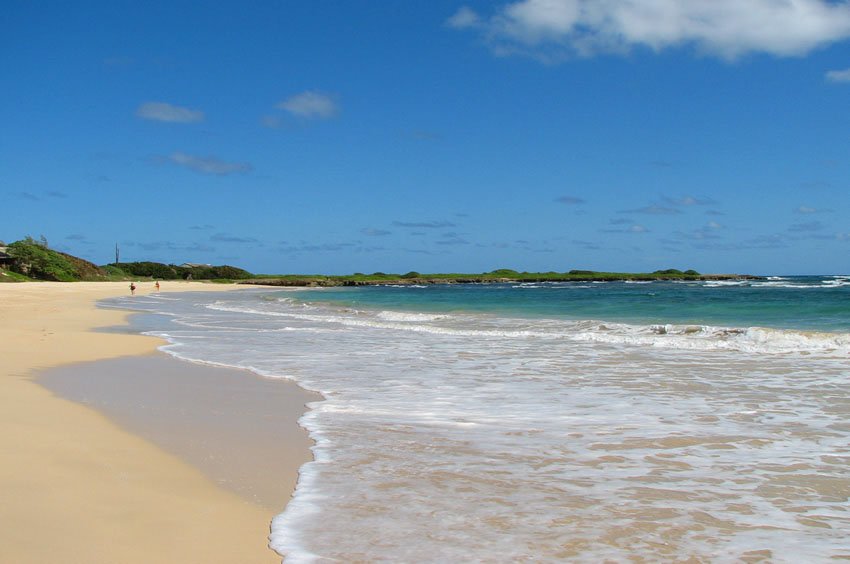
208,165
162,111
310,104
535,20
724,28
463,18
838,75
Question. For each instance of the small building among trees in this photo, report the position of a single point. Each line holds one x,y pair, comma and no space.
5,259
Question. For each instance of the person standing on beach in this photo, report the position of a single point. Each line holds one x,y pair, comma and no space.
132,289
157,285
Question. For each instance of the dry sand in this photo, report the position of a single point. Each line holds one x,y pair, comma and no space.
76,486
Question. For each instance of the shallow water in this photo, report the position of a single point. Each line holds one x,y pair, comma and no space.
457,432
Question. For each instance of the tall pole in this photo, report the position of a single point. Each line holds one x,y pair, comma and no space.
116,254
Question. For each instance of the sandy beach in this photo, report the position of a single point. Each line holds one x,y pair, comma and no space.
79,486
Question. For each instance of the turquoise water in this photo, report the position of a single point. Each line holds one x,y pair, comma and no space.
550,422
811,303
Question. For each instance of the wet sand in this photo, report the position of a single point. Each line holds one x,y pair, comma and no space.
77,485
239,429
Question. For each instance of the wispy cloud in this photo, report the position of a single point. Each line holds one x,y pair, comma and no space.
304,247
806,227
688,201
838,75
636,228
452,241
587,245
551,29
228,238
162,111
708,231
205,227
570,200
272,122
425,252
310,105
371,232
807,210
653,210
208,165
452,238
152,246
198,248
765,242
424,224
24,195
464,18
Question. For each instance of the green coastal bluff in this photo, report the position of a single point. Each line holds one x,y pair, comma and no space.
31,259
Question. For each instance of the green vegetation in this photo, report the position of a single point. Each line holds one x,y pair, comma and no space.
34,259
495,276
9,276
157,270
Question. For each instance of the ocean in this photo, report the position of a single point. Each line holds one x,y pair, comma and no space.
658,421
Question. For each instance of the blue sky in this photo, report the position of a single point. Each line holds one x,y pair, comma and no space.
439,136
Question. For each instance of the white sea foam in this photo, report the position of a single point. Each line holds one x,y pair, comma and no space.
468,437
409,316
688,337
725,283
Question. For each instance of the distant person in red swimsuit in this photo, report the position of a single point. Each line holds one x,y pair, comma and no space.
132,289
157,285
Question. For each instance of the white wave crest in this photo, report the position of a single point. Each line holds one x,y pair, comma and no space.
409,316
670,336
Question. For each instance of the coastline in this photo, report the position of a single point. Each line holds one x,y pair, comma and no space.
81,488
239,429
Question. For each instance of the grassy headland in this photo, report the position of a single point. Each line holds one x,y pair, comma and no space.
30,259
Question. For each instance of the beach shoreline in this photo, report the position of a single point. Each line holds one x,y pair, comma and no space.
81,488
238,428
